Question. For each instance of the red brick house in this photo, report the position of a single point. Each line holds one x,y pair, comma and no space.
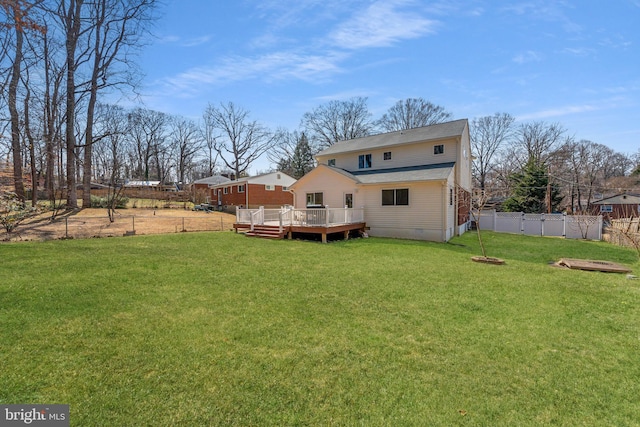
270,190
619,206
209,182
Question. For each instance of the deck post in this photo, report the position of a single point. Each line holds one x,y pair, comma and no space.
346,234
324,237
326,219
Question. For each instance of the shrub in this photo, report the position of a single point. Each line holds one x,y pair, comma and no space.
104,202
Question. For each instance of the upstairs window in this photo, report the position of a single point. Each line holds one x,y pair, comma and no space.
438,149
240,188
270,187
387,155
226,190
331,162
364,161
606,208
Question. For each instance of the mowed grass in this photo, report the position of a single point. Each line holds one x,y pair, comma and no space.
219,329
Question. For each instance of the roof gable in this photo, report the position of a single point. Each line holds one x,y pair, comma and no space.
322,169
439,131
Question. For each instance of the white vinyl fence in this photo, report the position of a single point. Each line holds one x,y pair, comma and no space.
559,225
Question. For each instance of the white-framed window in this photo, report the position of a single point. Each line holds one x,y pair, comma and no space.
387,155
395,197
438,149
331,162
315,199
270,187
240,188
285,188
364,161
606,208
226,190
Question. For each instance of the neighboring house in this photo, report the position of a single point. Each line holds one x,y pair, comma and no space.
270,190
619,206
150,185
413,184
209,182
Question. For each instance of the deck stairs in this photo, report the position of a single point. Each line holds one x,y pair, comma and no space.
267,232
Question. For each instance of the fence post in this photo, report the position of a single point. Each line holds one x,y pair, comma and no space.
599,227
183,230
66,227
222,226
133,223
542,225
495,219
564,225
521,222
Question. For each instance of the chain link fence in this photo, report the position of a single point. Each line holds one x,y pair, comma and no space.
84,227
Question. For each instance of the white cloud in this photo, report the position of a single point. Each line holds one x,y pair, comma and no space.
528,56
580,51
189,42
274,66
558,112
381,24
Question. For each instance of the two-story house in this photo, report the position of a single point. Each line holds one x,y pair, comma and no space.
413,184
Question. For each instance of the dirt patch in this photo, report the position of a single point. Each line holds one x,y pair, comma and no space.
89,223
593,265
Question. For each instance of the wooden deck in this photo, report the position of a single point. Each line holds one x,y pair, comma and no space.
290,229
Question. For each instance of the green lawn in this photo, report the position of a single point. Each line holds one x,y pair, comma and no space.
219,329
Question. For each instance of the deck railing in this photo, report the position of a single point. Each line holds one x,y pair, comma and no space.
288,216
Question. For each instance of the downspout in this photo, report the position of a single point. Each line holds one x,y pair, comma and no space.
246,195
444,211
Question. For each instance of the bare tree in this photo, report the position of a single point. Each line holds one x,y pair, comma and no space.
18,19
148,130
292,153
488,134
242,140
110,142
537,141
116,28
187,143
337,121
209,136
412,113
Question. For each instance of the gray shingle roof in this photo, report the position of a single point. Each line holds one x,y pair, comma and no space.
434,172
427,133
215,179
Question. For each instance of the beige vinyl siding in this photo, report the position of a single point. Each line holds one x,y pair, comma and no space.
451,209
331,184
401,155
421,220
464,164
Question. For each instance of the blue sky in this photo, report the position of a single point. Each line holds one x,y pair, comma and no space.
572,62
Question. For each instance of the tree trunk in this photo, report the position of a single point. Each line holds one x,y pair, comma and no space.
72,24
15,120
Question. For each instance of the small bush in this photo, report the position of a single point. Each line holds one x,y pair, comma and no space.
104,202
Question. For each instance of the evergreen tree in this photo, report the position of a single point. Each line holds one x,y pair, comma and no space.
529,193
302,160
